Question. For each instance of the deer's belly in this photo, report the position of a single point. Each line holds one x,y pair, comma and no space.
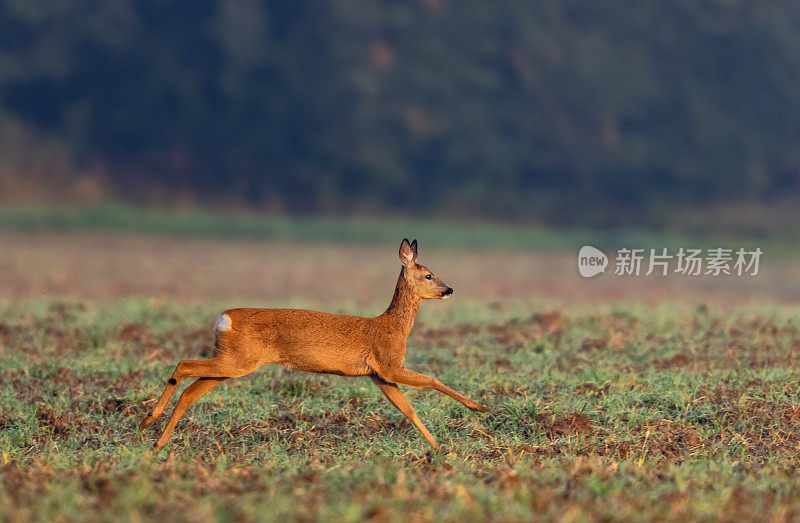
326,360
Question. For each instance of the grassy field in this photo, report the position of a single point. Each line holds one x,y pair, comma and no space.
611,399
619,413
249,226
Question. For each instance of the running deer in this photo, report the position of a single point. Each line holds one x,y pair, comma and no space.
319,342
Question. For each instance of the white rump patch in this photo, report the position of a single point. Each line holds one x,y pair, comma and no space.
223,323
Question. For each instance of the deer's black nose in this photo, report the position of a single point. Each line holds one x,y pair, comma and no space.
448,292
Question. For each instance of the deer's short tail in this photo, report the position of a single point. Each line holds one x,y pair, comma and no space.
222,326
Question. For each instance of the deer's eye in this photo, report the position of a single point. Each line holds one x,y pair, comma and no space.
428,276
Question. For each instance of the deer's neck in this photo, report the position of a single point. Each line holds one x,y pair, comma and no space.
404,306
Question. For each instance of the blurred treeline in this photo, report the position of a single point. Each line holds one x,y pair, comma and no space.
558,111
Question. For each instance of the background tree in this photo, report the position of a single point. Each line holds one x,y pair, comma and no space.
554,110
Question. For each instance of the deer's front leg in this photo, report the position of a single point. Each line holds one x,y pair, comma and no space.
415,379
394,395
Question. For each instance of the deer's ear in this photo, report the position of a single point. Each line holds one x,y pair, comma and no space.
414,248
407,254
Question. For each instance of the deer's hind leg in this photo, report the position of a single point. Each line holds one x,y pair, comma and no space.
192,393
216,367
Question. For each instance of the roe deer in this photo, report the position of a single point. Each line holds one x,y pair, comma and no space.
319,342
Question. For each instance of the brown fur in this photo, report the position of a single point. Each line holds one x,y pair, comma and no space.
320,342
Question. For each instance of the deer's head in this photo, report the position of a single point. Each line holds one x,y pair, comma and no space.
419,278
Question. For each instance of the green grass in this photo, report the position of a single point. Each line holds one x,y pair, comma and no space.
613,412
201,223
